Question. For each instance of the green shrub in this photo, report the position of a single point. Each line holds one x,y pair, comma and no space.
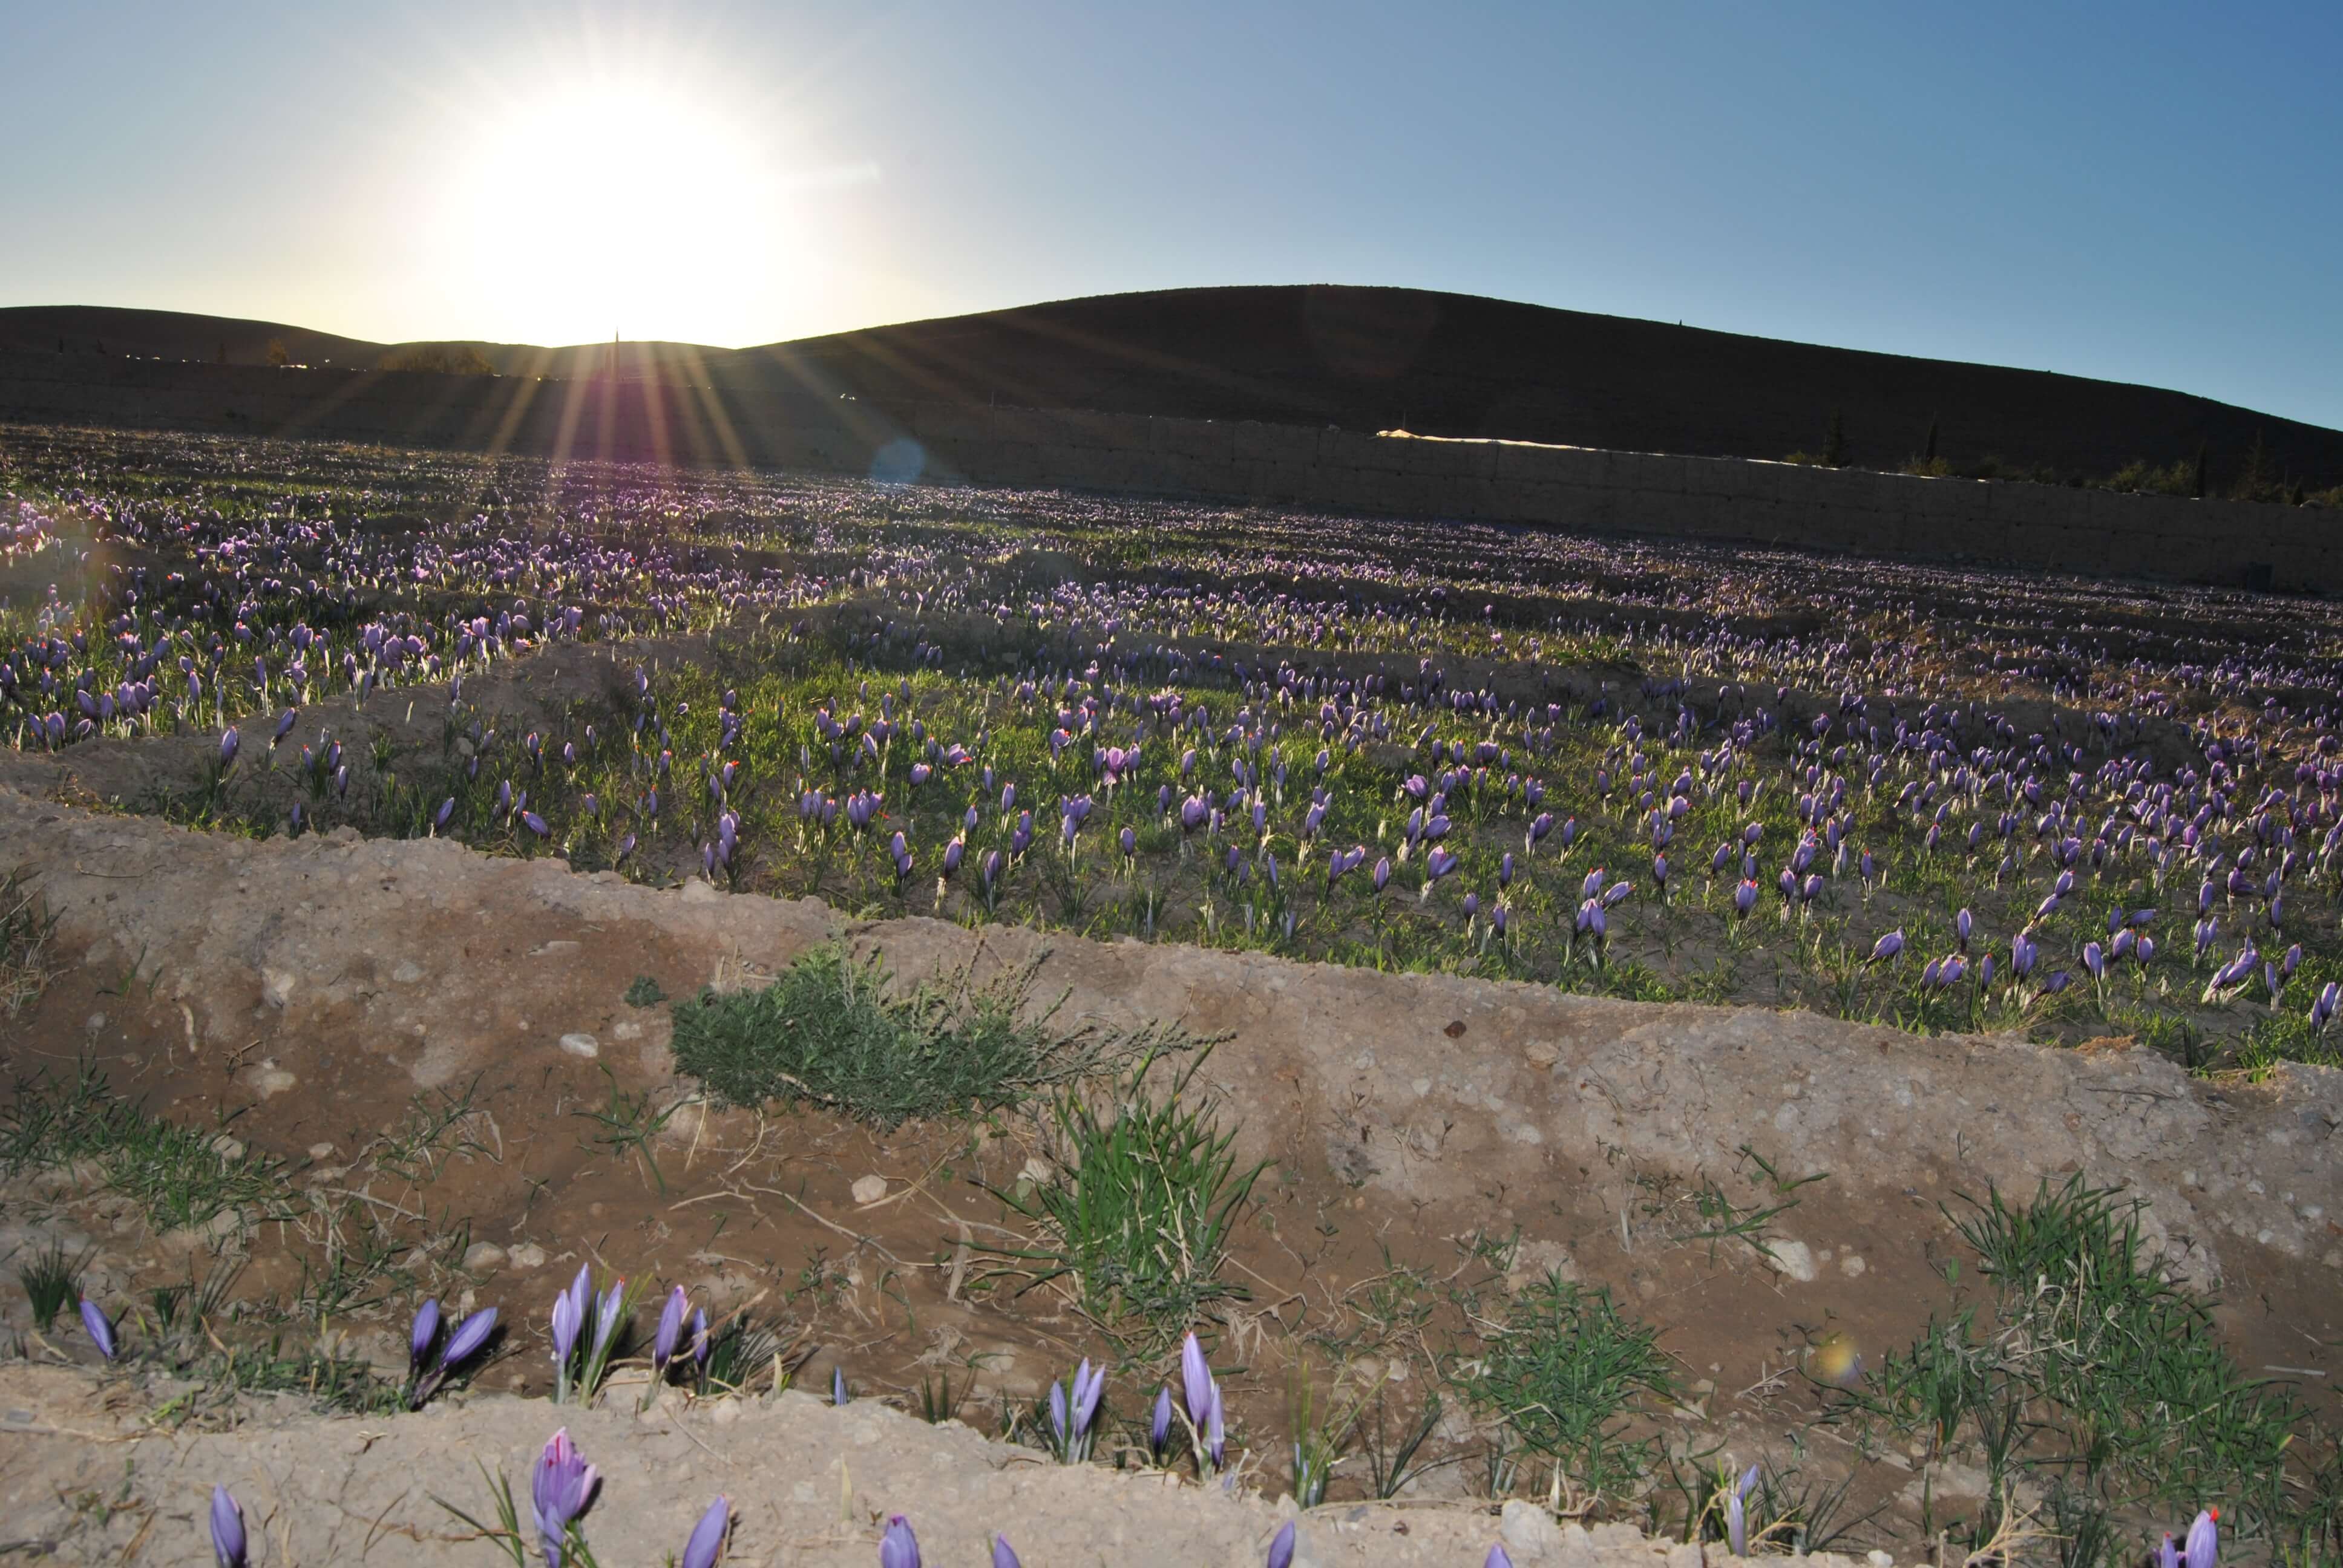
1567,1371
831,1031
1138,1211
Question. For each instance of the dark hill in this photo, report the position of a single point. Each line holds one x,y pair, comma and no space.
1457,365
176,335
1375,358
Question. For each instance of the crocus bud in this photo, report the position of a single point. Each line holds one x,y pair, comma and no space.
671,1331
2203,1549
421,1337
707,1542
898,1548
101,1331
228,1529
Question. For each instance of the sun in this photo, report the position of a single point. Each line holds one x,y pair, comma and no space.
613,203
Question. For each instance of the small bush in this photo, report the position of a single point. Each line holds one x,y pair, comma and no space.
829,1031
439,359
1139,1210
1567,1370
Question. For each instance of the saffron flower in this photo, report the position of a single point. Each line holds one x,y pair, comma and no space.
2203,1547
560,1490
1736,1518
101,1331
707,1541
228,1529
898,1548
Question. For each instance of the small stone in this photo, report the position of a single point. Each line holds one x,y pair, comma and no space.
627,1029
1878,1559
96,1022
869,1189
1796,1260
528,1255
1037,1171
320,1151
1853,1265
229,1148
272,1080
408,972
581,1044
1530,1532
482,1256
1545,1053
277,986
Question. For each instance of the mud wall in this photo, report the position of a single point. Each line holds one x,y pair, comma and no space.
2231,543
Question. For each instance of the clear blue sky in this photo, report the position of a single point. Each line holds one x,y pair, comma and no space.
2140,191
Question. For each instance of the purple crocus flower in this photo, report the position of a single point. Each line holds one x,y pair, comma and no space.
1497,1558
568,1319
1281,1547
1158,1430
422,1337
1745,899
446,810
1886,948
227,747
101,1331
1196,1373
2167,1555
707,1541
1003,1555
1736,1518
2023,952
898,1548
228,1529
1383,873
605,1317
2203,1548
670,1333
2095,960
837,1394
560,1492
470,1336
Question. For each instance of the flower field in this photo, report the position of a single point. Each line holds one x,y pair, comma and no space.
1378,1247
1940,799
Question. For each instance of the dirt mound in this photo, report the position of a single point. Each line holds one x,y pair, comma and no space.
90,1480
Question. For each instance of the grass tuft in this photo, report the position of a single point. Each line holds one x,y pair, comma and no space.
1140,1208
52,1281
829,1032
2096,1368
1566,1370
25,928
180,1176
